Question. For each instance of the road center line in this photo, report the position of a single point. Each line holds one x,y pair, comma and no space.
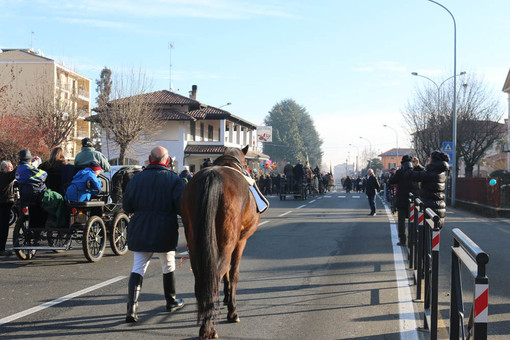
59,300
301,206
261,223
311,201
285,213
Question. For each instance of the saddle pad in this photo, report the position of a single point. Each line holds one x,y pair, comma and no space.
262,203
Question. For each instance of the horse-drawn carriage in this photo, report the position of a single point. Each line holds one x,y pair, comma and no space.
296,188
90,222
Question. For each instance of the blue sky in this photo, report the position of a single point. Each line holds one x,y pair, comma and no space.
349,62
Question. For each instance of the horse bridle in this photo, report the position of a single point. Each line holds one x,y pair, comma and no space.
236,162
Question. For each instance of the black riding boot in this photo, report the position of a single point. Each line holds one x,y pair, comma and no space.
134,288
172,303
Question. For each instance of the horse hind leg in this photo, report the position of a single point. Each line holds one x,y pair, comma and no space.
232,315
226,289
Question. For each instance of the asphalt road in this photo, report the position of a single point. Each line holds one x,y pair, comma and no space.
315,269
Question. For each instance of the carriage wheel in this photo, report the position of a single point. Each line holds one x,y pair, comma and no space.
13,217
56,239
118,235
94,239
21,236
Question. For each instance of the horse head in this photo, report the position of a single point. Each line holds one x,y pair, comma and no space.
233,157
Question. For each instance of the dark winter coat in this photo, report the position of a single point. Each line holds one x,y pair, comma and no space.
348,183
371,186
154,197
405,184
433,184
59,176
7,187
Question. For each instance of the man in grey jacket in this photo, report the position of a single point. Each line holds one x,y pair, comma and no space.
88,155
154,197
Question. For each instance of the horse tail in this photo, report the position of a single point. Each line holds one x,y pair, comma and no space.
206,258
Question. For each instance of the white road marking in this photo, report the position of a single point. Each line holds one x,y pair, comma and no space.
408,328
301,206
341,196
285,213
311,201
319,198
355,196
261,223
327,196
59,300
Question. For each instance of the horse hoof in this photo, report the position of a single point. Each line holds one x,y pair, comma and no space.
233,319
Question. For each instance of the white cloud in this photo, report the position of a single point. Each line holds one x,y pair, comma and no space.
93,22
218,9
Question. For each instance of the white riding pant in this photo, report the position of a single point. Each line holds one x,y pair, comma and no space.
142,259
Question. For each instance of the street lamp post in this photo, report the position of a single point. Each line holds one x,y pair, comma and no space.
357,156
454,137
224,105
438,87
396,133
370,152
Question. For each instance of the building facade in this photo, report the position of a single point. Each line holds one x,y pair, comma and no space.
25,74
190,130
392,158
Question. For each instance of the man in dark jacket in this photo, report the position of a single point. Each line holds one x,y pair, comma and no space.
7,175
404,187
371,189
154,197
433,183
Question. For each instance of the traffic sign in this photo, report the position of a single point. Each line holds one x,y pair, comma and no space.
448,149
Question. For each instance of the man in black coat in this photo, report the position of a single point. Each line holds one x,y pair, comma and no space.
7,175
433,183
404,187
371,189
154,197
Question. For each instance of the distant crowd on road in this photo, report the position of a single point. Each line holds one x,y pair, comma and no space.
426,182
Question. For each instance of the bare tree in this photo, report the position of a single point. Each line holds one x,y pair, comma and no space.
429,118
54,112
129,114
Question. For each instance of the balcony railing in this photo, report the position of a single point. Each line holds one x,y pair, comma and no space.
83,94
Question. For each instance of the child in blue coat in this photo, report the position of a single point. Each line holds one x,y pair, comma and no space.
84,184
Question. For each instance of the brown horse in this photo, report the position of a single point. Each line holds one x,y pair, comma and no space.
219,214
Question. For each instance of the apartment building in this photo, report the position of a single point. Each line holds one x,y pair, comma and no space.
25,73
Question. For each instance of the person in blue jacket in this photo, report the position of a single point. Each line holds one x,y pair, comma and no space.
31,180
85,183
154,198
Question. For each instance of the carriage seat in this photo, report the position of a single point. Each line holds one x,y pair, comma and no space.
86,204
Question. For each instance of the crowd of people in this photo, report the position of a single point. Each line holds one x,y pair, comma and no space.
427,182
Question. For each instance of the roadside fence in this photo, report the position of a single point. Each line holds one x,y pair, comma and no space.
423,238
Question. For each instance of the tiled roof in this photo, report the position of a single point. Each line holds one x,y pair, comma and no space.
209,112
205,149
175,115
401,152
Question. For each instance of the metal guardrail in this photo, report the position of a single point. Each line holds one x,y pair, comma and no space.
432,233
465,251
423,258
